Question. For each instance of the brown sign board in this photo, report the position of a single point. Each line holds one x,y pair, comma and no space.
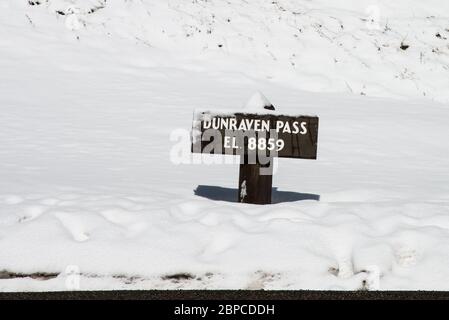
241,133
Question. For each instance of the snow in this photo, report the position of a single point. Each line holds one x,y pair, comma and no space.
335,46
258,102
93,105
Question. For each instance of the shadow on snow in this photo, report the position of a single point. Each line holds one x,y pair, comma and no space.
230,194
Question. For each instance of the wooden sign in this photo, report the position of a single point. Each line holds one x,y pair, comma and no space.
245,133
257,138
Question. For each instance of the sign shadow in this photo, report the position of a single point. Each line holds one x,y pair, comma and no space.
230,194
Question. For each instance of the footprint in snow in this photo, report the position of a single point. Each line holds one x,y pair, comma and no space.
31,213
406,256
189,210
73,225
262,279
125,219
220,242
344,270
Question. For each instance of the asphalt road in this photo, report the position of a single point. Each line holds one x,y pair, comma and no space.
227,295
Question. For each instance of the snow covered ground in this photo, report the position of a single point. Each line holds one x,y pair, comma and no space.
96,193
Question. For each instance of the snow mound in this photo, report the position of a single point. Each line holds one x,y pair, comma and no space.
127,241
258,102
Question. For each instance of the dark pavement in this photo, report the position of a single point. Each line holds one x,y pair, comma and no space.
227,295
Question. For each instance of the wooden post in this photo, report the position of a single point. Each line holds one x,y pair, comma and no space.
254,187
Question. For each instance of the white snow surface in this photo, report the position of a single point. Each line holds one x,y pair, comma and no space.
96,173
257,102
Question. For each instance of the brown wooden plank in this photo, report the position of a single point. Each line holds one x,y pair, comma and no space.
296,145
